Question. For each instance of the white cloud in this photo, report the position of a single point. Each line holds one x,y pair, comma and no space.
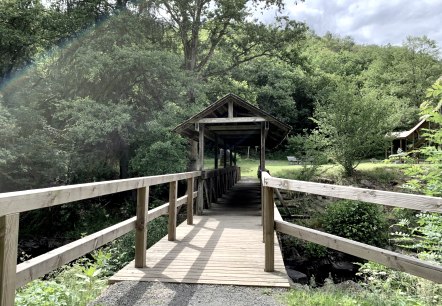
369,22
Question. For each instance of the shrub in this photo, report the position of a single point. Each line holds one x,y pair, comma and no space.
363,222
425,237
412,290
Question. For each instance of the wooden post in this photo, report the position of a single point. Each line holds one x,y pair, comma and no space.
201,147
234,159
141,227
230,109
262,165
231,157
216,151
8,258
269,230
200,197
263,147
190,188
172,210
225,155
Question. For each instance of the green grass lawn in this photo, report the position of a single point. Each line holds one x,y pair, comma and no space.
281,168
382,173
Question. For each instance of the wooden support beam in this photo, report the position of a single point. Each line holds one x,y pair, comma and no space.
190,188
172,211
225,155
263,147
231,120
141,227
8,258
248,127
262,166
396,199
230,109
43,264
391,259
201,147
241,132
20,201
269,230
200,198
231,157
216,151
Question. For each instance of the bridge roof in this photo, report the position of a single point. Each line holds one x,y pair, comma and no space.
235,122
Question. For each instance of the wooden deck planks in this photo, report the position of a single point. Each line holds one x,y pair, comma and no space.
217,249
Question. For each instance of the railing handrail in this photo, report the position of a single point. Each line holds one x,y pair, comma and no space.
43,264
394,260
21,201
13,276
389,198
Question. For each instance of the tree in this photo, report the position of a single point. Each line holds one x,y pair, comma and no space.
422,65
201,25
354,122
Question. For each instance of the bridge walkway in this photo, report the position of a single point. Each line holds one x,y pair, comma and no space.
224,246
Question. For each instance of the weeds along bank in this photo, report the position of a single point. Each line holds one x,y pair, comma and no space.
411,232
82,281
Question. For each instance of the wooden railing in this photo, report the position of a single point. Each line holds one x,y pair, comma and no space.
391,259
214,183
13,203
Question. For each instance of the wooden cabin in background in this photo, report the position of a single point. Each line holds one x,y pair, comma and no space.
412,139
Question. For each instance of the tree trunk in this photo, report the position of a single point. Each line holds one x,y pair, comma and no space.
193,156
124,161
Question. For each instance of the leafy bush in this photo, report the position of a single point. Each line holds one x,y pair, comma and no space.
85,279
425,238
363,222
313,250
412,290
74,285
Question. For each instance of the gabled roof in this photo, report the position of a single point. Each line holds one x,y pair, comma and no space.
405,134
242,128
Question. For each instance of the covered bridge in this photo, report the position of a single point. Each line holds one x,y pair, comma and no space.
232,122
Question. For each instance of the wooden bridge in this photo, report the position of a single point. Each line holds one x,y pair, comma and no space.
224,243
224,246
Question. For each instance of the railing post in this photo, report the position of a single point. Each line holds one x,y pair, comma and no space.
269,229
172,210
200,197
190,188
141,227
8,258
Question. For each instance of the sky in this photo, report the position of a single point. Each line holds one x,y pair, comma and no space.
368,22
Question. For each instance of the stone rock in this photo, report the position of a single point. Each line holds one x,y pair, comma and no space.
343,266
367,184
296,276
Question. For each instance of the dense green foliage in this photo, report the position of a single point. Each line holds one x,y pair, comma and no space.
399,286
360,221
102,106
351,121
382,287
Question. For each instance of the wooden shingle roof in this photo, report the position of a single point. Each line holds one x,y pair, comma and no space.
235,122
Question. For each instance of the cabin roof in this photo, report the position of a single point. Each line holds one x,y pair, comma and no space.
235,122
405,134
